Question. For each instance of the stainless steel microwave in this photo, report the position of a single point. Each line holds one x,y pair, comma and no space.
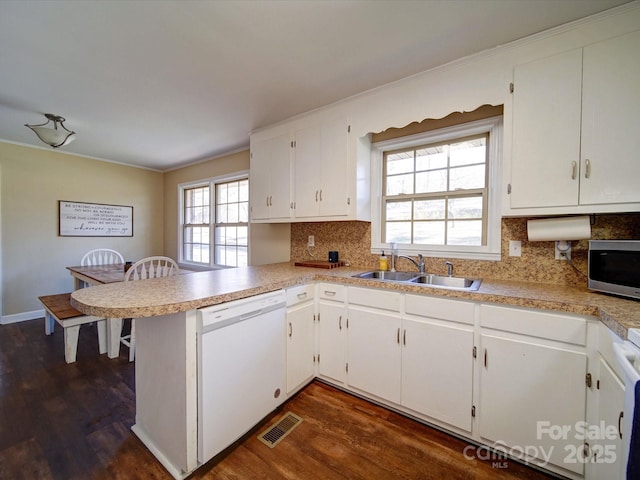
614,267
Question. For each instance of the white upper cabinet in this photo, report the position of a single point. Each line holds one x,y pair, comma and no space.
270,178
322,170
575,131
546,132
324,174
610,121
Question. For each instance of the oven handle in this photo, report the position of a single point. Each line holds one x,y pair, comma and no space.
626,355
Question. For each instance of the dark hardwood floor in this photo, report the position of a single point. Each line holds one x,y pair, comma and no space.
60,421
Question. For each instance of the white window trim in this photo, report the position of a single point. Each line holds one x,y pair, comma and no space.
490,251
211,181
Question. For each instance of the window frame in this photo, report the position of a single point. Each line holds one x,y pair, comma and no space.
211,183
492,250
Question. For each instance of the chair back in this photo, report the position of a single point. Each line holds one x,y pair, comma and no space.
101,256
152,267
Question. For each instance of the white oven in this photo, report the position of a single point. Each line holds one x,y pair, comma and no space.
628,355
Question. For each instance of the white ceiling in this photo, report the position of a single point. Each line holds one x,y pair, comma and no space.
160,84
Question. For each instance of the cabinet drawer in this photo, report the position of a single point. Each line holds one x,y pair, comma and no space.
374,298
332,291
552,326
441,308
299,294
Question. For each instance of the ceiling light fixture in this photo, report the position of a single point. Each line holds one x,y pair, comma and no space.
53,136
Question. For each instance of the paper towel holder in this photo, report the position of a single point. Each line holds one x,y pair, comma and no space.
561,231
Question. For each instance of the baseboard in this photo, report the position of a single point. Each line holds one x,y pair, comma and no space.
21,317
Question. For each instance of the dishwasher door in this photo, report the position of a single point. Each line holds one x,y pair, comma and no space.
241,368
628,356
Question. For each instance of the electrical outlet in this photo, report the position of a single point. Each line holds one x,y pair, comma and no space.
563,250
515,248
312,241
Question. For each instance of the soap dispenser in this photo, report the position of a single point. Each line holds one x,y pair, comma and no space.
382,262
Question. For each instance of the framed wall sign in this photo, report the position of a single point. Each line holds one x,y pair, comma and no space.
79,219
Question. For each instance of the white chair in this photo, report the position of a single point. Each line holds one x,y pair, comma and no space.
150,267
101,256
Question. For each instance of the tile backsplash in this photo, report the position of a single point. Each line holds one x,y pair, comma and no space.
537,264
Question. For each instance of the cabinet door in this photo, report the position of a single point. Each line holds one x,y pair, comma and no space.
374,353
332,324
321,169
335,168
280,177
259,183
546,132
607,456
270,178
524,387
300,345
610,121
437,371
307,171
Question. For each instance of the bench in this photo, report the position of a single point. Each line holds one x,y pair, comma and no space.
58,309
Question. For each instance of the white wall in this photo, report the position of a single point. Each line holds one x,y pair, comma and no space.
33,256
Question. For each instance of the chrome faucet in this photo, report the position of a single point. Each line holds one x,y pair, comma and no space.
449,268
419,264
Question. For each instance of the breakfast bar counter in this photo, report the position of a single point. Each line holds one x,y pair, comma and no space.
201,289
170,337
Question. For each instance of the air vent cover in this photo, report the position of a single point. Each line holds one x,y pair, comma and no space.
277,431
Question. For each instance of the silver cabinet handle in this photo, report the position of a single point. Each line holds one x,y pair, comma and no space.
320,194
486,360
587,168
329,293
398,337
302,295
316,195
290,329
574,170
340,323
267,200
404,337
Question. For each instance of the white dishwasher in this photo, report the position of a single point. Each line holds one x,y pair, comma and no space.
628,355
241,368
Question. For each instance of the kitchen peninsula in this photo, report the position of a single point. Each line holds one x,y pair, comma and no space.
166,356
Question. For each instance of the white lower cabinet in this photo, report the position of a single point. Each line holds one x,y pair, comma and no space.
606,445
373,343
533,385
332,323
437,359
514,379
301,316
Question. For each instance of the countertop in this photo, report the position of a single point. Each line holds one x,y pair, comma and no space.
162,296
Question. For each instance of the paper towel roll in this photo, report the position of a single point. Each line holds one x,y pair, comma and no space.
553,229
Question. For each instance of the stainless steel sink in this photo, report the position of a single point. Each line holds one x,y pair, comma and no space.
389,276
448,282
430,280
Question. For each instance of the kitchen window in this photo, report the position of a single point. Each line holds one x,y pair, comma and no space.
215,222
438,192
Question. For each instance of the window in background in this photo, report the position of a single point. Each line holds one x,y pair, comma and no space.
232,223
436,194
215,223
438,191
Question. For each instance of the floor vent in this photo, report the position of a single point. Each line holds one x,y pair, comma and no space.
283,427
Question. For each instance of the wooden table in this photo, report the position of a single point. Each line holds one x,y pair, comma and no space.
97,274
100,275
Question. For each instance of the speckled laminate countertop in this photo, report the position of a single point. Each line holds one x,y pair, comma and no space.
200,289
